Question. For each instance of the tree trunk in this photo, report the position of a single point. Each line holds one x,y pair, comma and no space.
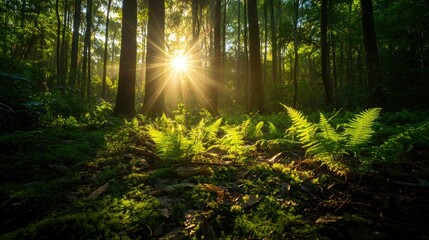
127,63
238,94
58,42
216,61
86,48
246,54
75,44
325,54
64,46
372,59
155,60
256,99
106,38
295,49
274,56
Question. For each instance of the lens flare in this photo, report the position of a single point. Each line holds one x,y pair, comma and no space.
179,63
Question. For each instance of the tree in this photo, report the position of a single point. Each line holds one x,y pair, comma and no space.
371,48
274,47
295,49
325,54
127,63
75,43
216,75
256,98
155,60
106,38
86,68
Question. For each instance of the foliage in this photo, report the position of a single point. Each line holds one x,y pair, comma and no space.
19,108
330,146
174,140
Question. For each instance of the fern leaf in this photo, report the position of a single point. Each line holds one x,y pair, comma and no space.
306,130
258,130
359,129
327,131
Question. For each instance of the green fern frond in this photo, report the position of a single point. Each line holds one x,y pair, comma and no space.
306,130
359,129
327,131
258,130
213,129
273,130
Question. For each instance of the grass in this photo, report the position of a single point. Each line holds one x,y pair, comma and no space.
87,179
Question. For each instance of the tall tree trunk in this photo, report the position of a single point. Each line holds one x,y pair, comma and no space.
75,44
325,54
246,54
106,38
58,42
334,66
127,63
372,59
265,41
274,56
64,46
238,94
216,61
86,50
155,60
256,99
295,49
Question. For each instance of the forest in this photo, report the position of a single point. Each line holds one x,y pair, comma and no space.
222,119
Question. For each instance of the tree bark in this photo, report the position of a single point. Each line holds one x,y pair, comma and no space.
106,38
274,64
75,44
256,99
325,54
127,63
58,42
372,59
295,49
86,49
216,74
155,60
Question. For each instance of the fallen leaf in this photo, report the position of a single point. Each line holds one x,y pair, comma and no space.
164,212
98,191
192,171
176,234
328,219
248,201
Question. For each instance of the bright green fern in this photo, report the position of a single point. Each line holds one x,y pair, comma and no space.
330,145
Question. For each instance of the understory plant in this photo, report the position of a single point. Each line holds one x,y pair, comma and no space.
334,146
175,140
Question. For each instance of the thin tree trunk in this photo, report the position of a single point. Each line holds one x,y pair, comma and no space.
58,47
75,45
295,47
238,57
274,64
246,54
334,66
265,41
106,38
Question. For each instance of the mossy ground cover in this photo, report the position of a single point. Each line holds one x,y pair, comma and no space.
107,180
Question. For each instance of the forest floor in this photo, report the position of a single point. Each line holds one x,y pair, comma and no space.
80,182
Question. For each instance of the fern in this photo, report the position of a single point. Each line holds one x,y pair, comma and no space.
359,129
258,130
329,145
